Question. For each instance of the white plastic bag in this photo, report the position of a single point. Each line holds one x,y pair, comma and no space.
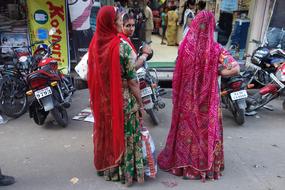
150,165
82,67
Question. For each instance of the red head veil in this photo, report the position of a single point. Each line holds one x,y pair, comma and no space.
105,87
195,129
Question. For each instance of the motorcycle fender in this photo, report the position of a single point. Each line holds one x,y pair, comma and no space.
241,103
47,103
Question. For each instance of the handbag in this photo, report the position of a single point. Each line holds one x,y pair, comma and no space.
82,67
148,148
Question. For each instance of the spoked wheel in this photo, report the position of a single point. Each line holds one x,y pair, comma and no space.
13,98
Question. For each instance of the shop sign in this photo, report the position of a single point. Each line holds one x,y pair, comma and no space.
44,15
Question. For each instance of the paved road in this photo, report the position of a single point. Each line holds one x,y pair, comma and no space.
48,157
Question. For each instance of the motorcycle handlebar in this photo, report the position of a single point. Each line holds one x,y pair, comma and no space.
37,42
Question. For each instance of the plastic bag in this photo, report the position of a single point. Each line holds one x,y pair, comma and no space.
82,67
150,165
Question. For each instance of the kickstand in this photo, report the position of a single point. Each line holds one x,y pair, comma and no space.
268,108
251,113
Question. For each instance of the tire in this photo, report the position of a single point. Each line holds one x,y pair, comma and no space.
13,98
283,105
60,115
238,113
153,116
59,112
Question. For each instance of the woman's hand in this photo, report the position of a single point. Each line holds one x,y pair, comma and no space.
147,49
228,72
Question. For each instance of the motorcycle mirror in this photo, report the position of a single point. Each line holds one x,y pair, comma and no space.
52,31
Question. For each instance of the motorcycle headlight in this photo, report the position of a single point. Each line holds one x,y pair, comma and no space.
24,62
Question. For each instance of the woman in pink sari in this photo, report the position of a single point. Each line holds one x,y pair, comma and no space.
194,147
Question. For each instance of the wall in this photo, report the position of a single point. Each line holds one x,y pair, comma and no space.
259,15
278,15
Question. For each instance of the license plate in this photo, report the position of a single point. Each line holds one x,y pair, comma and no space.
239,95
146,91
43,92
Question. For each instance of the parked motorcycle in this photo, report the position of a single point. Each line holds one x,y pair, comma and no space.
233,95
50,89
150,91
265,60
270,91
13,85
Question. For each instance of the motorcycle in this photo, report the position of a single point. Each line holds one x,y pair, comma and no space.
263,61
270,91
50,89
13,85
233,95
150,91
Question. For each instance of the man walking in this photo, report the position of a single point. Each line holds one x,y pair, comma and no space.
149,23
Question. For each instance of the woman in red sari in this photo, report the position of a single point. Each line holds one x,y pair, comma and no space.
194,147
115,101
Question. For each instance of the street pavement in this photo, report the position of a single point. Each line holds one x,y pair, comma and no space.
53,158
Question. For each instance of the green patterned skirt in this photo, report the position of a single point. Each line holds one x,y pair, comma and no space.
131,167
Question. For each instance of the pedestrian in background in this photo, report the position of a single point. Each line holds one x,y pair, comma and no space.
163,23
187,15
194,146
148,23
115,101
171,31
201,5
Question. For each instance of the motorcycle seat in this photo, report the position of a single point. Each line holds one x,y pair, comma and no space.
275,60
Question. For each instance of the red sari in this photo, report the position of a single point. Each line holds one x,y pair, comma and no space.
194,146
105,87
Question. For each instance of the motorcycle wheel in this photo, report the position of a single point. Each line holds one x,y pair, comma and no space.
13,98
238,113
59,112
153,116
39,115
60,116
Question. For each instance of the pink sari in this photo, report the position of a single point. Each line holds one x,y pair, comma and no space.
194,146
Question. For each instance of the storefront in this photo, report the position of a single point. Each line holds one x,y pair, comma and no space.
13,27
251,20
26,21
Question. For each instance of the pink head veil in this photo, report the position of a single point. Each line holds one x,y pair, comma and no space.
195,99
